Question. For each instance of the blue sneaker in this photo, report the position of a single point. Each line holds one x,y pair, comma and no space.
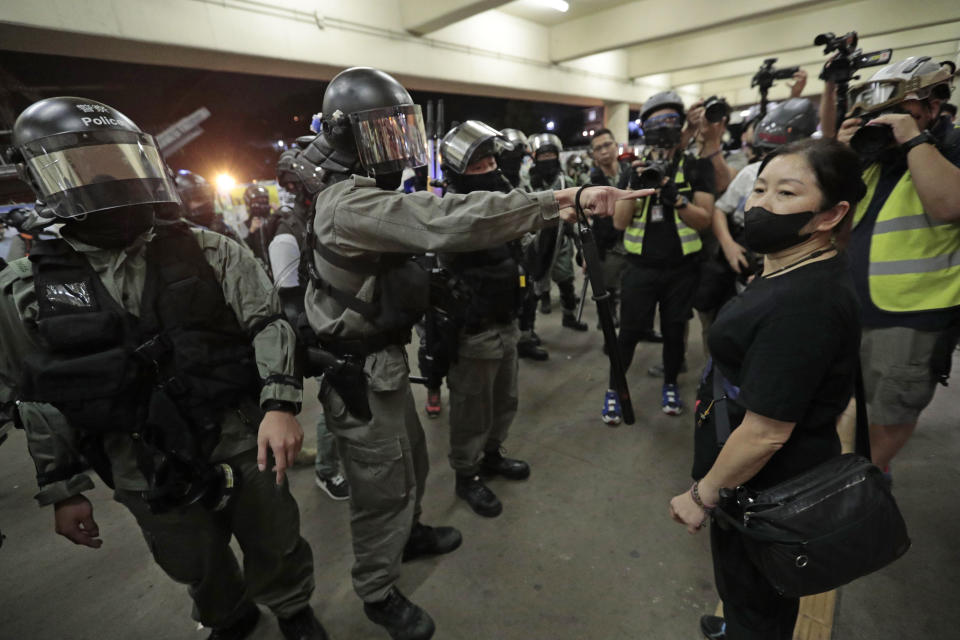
671,400
611,409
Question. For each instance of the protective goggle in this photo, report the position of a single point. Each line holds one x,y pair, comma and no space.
459,147
390,139
77,173
667,120
877,95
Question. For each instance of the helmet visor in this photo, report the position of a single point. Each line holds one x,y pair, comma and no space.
458,149
874,96
80,173
390,139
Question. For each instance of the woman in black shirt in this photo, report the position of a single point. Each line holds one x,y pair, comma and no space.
787,347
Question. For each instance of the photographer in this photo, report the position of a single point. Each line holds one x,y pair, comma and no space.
905,239
706,123
609,170
787,349
663,244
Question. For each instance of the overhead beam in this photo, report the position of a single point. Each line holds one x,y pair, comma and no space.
646,20
795,30
912,38
421,17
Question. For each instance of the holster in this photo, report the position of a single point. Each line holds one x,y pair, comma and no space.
346,376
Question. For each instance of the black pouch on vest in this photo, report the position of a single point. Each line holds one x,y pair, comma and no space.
80,331
404,295
821,529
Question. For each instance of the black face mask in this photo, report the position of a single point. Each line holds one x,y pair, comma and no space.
489,181
113,229
767,232
662,137
510,165
389,181
546,170
201,214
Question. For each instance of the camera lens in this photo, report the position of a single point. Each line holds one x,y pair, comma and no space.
872,139
650,178
715,111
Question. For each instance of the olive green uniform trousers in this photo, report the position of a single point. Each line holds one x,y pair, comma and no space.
192,546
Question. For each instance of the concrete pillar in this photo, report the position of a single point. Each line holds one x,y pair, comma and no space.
615,117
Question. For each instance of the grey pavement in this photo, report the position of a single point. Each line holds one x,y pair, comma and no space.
583,550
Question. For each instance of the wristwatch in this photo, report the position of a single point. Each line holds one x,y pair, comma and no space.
681,203
924,138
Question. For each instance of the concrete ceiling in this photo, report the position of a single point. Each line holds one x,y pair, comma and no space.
600,51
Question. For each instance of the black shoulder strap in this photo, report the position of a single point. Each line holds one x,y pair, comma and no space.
862,441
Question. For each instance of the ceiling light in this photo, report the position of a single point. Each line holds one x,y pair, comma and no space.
558,5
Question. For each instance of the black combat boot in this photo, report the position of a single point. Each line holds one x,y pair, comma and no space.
527,348
430,541
494,464
478,495
402,619
570,322
302,625
242,627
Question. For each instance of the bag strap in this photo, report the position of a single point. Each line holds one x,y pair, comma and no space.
862,439
721,418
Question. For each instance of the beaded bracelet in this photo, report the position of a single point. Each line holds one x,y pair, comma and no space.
695,494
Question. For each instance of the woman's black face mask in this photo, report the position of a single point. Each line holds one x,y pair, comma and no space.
767,232
112,229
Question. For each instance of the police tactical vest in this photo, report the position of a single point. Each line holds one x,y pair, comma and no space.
689,238
100,365
493,278
914,262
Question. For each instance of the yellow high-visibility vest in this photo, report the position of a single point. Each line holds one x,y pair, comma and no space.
914,260
689,238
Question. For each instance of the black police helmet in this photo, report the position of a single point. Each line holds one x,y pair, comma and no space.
81,156
256,198
354,90
197,196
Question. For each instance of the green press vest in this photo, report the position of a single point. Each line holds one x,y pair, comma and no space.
914,259
689,239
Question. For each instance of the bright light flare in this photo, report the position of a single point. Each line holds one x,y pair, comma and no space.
225,181
551,125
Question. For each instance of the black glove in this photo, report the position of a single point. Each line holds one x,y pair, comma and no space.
669,193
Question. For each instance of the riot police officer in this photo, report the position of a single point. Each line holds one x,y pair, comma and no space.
546,174
131,344
483,374
199,203
365,296
256,199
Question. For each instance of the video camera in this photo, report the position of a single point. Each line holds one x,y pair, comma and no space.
764,77
842,68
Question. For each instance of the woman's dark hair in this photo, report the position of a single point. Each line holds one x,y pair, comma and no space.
837,168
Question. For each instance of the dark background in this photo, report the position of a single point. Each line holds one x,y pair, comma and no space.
249,113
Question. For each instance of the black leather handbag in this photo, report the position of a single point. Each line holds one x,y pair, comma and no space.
823,528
